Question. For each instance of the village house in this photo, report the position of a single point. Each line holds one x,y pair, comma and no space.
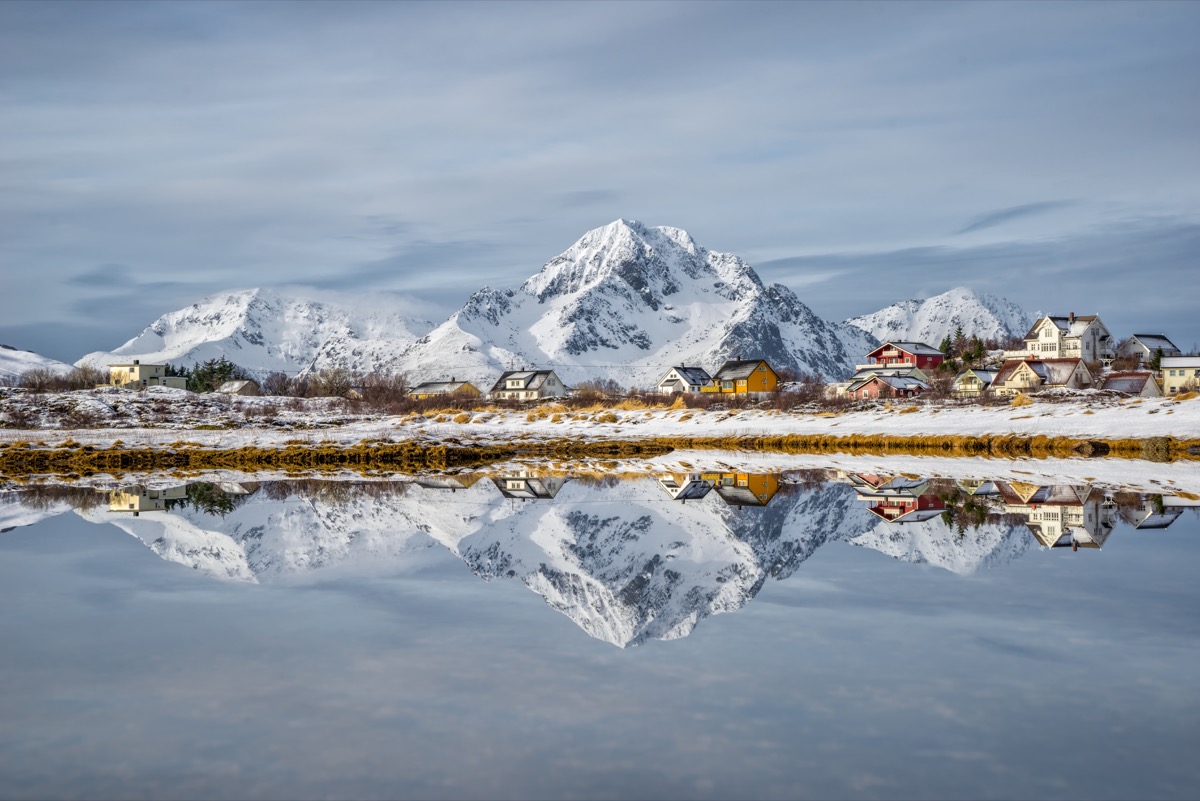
685,487
683,379
1180,374
1144,346
743,377
1142,385
246,387
139,376
886,385
528,385
138,499
904,354
440,389
897,500
972,383
525,486
1071,337
1062,516
744,489
1031,375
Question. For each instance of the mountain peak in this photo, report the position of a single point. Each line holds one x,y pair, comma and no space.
930,320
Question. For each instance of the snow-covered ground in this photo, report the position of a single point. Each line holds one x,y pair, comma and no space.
161,416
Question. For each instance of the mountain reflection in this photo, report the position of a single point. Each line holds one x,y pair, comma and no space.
627,559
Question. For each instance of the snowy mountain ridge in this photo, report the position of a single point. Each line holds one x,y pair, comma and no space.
626,302
980,314
13,362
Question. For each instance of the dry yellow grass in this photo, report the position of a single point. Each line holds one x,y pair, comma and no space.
463,417
1184,396
678,404
1021,399
909,410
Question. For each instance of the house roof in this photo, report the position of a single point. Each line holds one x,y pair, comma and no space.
739,369
1180,361
915,348
530,379
236,385
1133,383
898,382
692,375
1071,326
1153,341
986,376
439,387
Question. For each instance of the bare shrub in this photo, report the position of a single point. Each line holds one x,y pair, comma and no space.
40,379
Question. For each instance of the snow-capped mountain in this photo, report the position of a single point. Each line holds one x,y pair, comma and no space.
13,362
627,301
930,320
263,331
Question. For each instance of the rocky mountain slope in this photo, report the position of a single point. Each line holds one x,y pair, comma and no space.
930,320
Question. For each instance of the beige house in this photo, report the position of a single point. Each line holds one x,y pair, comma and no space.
1071,337
1180,374
1032,375
972,383
139,376
438,389
528,385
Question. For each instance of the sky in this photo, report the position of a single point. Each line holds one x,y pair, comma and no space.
406,154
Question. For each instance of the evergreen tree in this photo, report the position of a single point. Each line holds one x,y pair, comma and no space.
1156,359
209,375
945,346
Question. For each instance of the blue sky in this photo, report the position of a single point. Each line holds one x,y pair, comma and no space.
152,153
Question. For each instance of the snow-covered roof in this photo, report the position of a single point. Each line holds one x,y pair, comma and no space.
1073,325
439,387
1053,372
1180,361
986,376
1132,383
741,368
531,379
233,387
693,375
1154,341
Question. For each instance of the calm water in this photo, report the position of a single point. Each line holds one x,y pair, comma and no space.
718,635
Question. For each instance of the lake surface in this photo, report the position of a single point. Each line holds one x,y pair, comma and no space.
811,634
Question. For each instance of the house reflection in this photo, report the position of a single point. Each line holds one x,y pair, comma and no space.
137,499
735,489
453,483
897,499
1062,515
526,486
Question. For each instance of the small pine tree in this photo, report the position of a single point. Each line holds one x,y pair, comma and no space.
945,346
1156,359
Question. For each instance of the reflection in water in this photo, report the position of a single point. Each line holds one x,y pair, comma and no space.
627,560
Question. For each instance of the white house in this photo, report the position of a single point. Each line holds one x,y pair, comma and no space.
1071,337
683,379
1180,374
528,385
1144,346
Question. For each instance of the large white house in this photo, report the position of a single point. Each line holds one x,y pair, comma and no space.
1071,337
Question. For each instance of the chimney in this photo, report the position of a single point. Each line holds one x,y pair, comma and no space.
1072,316
452,379
137,361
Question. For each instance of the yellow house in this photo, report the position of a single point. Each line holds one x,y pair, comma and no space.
439,389
1180,374
139,376
744,377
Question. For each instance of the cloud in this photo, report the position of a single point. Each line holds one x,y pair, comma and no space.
1001,216
103,275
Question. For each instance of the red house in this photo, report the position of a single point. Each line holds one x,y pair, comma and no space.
906,354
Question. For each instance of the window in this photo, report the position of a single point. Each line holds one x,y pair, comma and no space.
762,368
